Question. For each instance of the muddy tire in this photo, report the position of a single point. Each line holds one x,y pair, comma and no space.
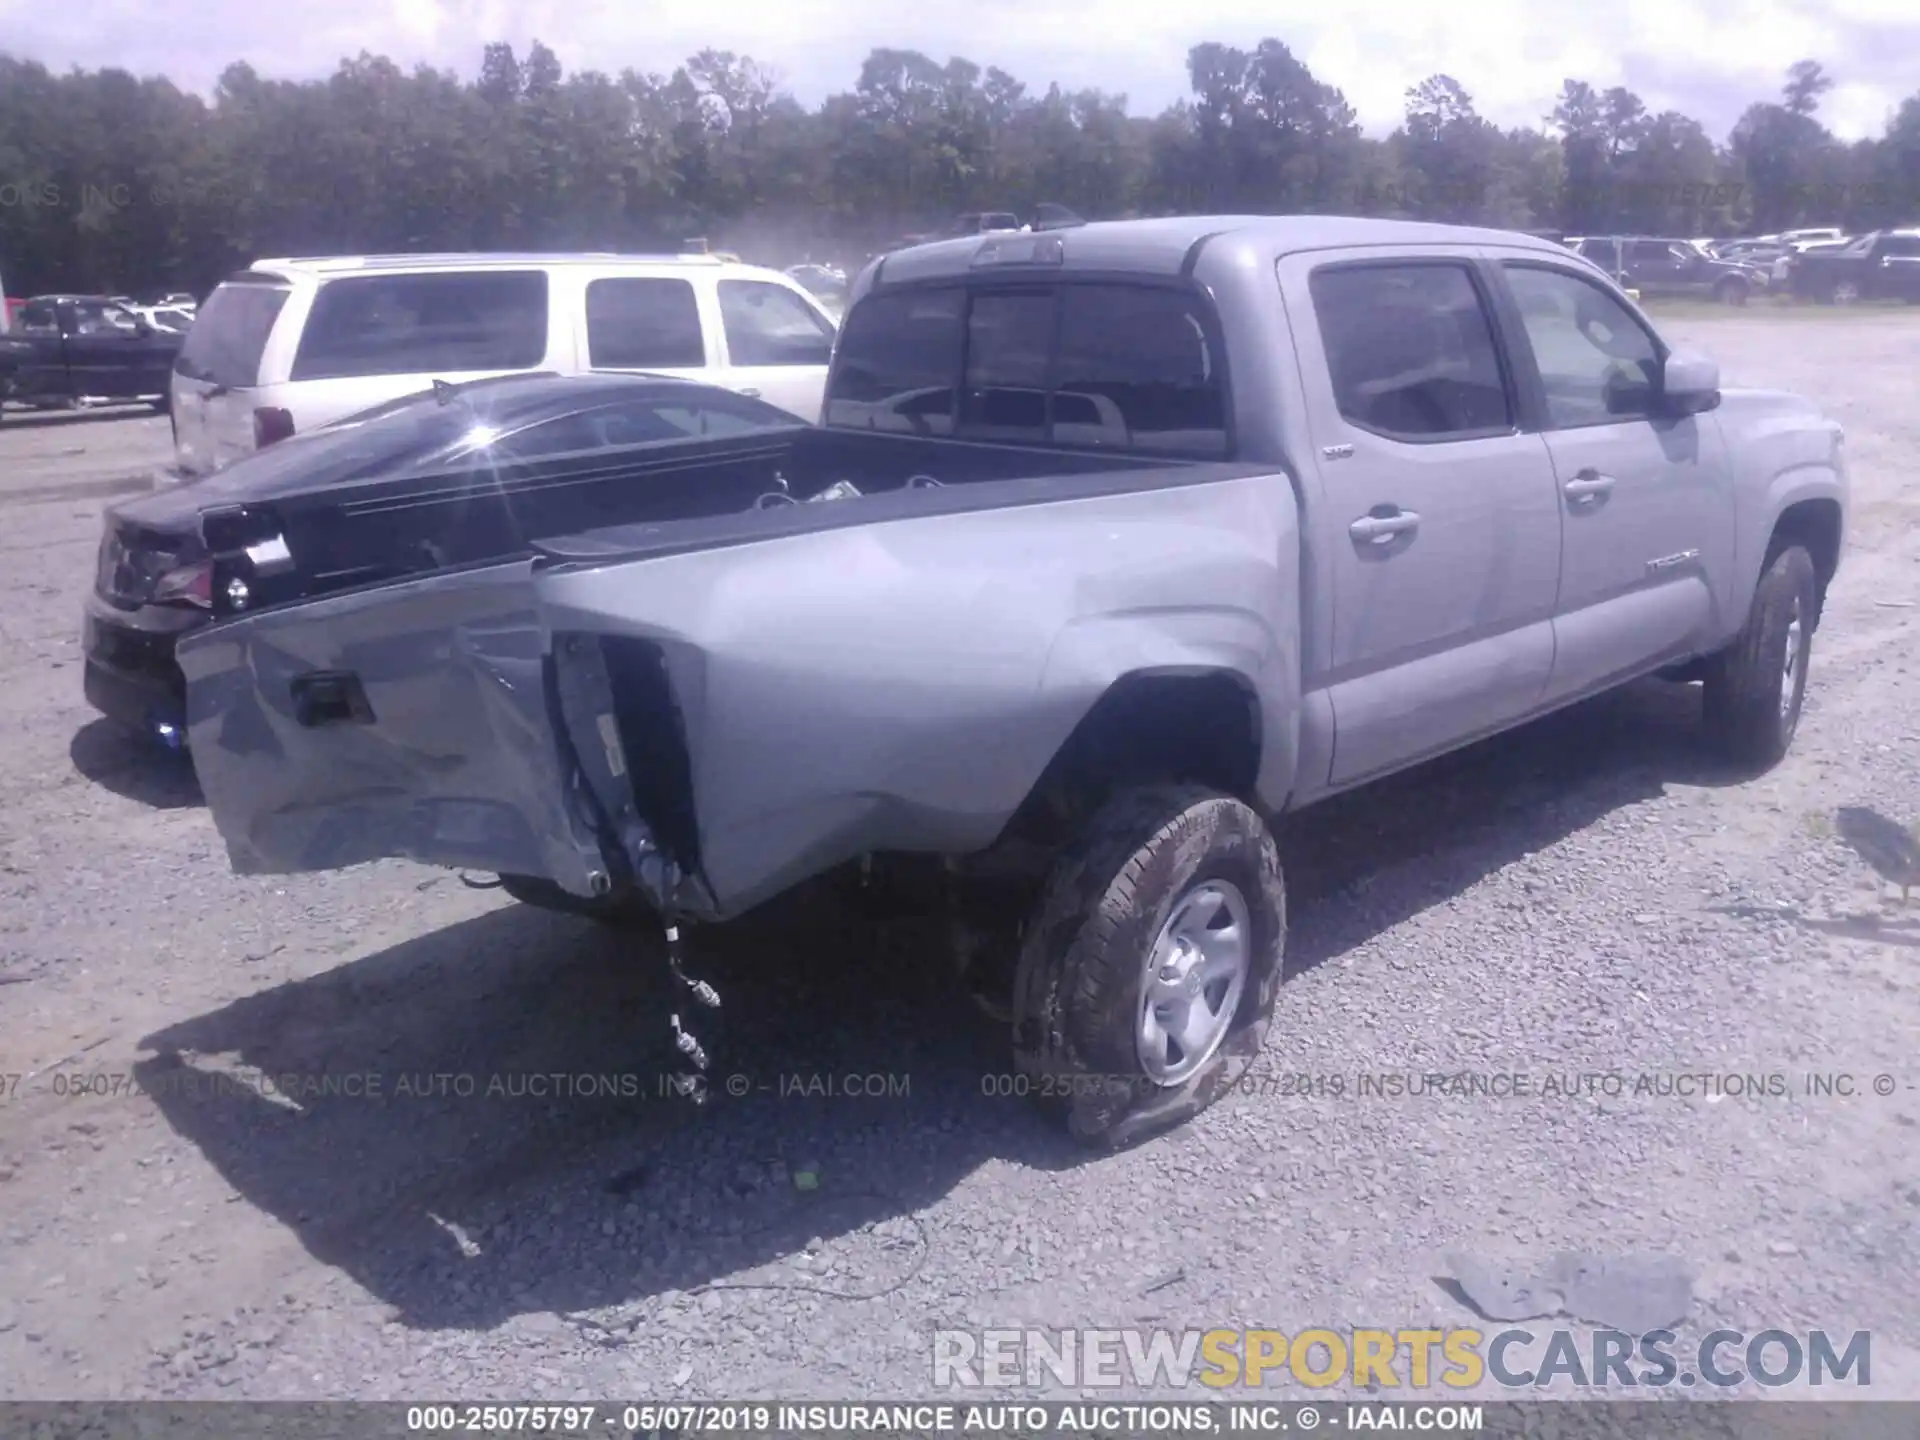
543,894
1164,923
1755,688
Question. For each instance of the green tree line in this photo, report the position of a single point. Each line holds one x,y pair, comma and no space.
113,182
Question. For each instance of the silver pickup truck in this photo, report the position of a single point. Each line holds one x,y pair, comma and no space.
1116,542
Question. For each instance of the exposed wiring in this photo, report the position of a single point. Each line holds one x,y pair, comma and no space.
827,1291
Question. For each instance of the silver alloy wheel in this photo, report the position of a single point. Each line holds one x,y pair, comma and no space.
1846,292
1792,668
1195,974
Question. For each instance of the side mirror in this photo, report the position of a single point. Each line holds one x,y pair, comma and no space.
1689,384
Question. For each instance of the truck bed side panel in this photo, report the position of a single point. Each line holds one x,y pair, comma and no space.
901,686
898,685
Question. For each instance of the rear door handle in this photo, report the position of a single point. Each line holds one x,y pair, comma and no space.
1384,528
1588,485
750,391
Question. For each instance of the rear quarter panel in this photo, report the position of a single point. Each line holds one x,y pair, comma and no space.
912,703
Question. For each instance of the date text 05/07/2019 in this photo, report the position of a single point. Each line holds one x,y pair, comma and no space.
1012,1418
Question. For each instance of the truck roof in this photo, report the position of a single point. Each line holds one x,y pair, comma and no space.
1162,246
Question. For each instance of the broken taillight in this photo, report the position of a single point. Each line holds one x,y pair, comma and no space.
271,423
186,585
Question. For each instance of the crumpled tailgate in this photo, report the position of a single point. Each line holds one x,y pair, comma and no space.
407,721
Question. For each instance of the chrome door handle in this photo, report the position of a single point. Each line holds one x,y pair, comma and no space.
749,391
1588,485
1384,529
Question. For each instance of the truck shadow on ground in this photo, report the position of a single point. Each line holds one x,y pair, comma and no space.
470,1124
1362,862
133,766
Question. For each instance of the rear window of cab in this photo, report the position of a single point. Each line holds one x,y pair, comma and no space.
1092,365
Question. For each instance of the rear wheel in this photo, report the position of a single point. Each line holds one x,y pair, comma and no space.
1756,686
1846,292
1147,980
1731,291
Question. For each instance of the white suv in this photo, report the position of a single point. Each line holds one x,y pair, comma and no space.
286,346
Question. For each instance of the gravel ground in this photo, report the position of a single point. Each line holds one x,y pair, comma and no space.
1589,897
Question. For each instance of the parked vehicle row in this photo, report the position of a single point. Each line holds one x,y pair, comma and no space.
165,317
1045,216
1112,545
1882,265
1817,263
1667,267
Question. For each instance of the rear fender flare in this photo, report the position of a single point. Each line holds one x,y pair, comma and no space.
1104,661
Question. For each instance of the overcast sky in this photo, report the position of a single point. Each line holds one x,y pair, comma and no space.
1709,58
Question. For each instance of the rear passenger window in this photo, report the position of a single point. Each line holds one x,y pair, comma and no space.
442,324
1134,369
643,323
770,325
1411,352
898,363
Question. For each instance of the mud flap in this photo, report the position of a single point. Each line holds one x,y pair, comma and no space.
415,721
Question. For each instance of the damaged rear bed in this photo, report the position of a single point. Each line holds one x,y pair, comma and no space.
734,682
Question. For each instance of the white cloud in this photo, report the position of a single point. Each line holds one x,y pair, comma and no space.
1709,58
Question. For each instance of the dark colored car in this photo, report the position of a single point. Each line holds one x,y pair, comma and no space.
455,475
1666,267
1883,265
65,350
